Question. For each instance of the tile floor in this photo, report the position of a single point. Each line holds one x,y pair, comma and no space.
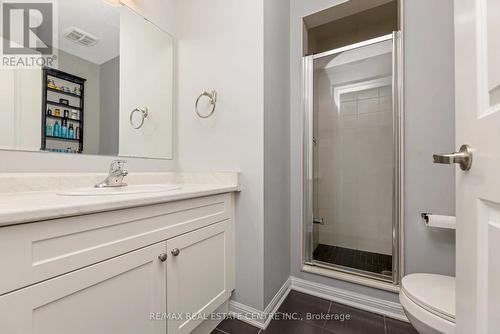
354,258
314,315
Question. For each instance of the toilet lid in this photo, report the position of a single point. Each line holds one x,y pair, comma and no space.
435,293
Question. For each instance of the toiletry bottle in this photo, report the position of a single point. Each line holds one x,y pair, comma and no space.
71,132
64,129
77,133
48,130
57,130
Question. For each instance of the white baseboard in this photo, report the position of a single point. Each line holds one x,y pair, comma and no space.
261,319
356,300
256,318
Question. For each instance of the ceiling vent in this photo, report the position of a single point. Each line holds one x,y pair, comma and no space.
79,36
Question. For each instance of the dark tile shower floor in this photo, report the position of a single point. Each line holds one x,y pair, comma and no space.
353,258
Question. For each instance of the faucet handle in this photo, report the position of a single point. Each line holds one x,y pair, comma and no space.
118,167
116,174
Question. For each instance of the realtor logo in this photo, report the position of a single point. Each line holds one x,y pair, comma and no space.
27,28
28,36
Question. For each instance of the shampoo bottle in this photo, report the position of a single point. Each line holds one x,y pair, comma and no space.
71,132
48,130
57,129
64,129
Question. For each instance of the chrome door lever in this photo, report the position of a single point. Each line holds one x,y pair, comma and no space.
462,157
319,221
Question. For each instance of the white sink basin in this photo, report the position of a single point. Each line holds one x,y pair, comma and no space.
127,190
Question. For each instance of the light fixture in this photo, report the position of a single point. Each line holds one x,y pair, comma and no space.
115,3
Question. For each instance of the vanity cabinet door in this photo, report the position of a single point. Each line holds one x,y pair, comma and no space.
199,275
114,296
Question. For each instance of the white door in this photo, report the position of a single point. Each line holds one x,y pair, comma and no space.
199,275
477,40
114,296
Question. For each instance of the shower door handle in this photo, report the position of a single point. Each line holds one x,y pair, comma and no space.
462,157
319,221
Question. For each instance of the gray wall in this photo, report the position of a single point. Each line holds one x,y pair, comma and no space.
110,107
429,84
222,47
430,128
276,146
249,132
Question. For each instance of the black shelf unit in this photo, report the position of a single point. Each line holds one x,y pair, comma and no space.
49,73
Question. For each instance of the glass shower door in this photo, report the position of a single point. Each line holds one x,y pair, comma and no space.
353,160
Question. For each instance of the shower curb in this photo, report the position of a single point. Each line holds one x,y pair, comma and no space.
380,306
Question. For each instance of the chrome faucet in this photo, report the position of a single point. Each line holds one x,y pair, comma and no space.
116,174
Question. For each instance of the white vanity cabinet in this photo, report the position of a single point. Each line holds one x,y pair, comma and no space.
135,269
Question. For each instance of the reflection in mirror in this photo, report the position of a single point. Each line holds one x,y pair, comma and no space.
109,92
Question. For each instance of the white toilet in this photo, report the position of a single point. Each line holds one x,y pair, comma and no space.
429,302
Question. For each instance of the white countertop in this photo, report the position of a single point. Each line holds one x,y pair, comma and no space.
31,206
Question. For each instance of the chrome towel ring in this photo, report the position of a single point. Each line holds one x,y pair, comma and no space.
144,115
212,96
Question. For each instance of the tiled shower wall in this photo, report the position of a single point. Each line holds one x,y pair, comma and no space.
354,159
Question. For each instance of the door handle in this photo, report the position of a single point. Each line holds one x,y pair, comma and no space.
319,221
175,252
462,157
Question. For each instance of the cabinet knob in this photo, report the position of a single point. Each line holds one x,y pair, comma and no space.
175,252
162,257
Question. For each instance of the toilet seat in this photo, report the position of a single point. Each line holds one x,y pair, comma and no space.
429,302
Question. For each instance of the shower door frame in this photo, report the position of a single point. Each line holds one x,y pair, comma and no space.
317,267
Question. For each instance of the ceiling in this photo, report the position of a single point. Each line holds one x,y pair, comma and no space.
95,17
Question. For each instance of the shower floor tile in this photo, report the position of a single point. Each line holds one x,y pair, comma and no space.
353,258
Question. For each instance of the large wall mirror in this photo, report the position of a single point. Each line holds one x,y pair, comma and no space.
109,92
